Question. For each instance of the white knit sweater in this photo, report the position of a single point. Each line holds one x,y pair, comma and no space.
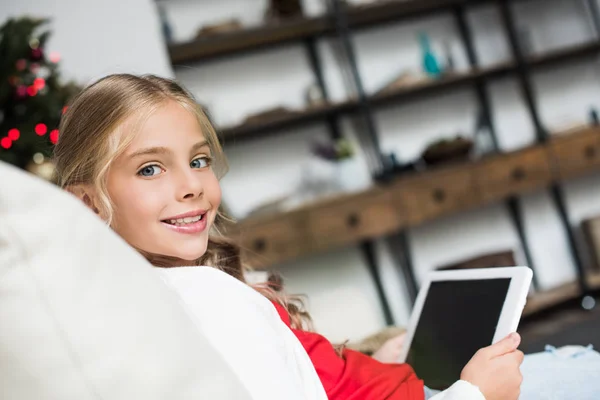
245,327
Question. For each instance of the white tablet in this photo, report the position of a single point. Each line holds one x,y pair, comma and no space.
458,312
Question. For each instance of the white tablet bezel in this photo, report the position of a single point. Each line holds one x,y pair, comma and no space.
520,281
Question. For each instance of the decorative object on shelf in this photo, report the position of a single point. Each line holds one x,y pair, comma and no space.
450,65
230,25
392,168
406,79
594,118
42,167
269,115
349,174
333,151
430,63
447,150
32,102
284,9
314,96
167,30
352,176
484,143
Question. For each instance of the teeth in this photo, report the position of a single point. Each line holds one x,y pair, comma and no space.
186,220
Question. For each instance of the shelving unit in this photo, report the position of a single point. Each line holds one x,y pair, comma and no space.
274,239
416,198
427,87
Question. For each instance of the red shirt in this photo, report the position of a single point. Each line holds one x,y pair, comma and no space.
356,376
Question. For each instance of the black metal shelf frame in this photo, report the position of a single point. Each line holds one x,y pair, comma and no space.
339,23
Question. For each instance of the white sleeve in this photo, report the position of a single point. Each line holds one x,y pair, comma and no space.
461,390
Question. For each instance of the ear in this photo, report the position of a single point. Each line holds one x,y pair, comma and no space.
87,194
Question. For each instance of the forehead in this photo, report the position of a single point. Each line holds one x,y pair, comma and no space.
170,125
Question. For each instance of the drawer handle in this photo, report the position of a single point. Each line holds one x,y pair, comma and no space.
439,195
259,245
353,220
518,174
589,152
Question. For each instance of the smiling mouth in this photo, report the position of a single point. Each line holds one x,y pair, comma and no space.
184,221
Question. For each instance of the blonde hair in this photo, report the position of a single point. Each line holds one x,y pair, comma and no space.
91,139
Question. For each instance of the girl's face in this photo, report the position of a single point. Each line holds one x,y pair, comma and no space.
164,191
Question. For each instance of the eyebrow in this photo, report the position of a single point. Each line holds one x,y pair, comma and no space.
164,150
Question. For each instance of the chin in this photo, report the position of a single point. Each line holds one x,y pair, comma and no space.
192,254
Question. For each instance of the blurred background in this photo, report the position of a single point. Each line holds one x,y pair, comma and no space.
369,141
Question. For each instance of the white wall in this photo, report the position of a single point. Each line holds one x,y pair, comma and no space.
342,297
96,38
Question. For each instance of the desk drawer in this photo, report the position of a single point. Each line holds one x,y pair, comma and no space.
428,195
353,218
577,153
513,173
265,242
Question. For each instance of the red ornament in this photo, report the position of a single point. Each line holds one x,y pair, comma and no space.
41,129
54,57
14,134
36,54
21,91
54,136
32,90
39,83
21,64
64,110
5,143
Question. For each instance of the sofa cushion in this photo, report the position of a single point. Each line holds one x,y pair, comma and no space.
84,316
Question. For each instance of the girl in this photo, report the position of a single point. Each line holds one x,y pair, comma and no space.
142,155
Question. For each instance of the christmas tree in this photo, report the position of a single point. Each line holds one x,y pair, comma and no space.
32,96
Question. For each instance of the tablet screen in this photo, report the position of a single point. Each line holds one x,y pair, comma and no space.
458,318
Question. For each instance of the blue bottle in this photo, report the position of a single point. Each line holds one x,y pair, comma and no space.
430,64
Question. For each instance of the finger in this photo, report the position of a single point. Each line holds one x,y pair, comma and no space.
505,346
399,340
519,356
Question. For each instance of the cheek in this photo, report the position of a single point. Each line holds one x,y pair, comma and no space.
132,209
214,192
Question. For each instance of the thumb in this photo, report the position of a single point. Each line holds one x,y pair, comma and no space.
505,346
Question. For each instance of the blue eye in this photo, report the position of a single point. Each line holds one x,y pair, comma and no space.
150,170
200,162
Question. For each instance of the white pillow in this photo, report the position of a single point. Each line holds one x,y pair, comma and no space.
83,316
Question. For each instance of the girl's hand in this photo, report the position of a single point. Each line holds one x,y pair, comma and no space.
495,369
390,351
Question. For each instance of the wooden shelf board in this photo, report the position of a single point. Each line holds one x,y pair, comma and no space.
383,12
293,119
247,39
565,54
444,83
549,298
593,280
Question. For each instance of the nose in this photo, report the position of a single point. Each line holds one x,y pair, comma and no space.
189,185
